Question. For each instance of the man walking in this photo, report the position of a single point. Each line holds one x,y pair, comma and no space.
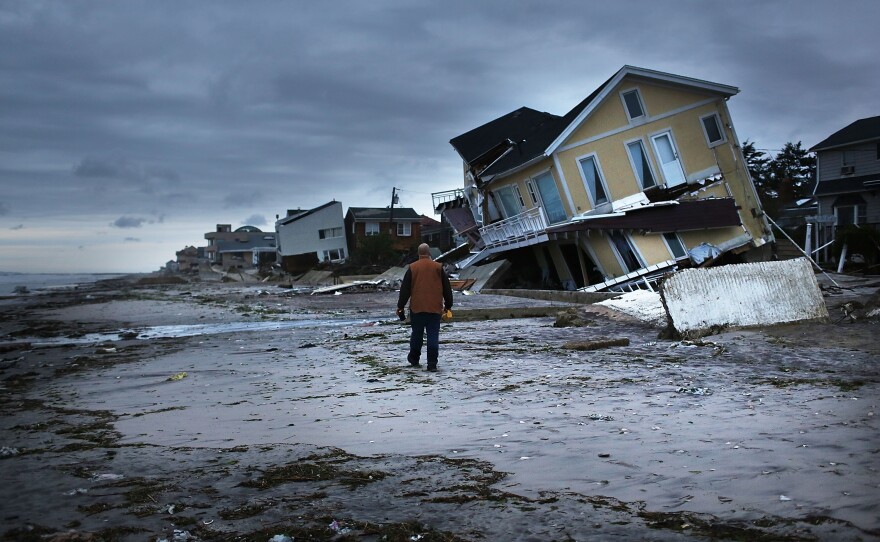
427,288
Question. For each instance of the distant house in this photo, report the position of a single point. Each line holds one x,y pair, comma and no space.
641,177
848,179
403,224
245,248
438,233
188,259
308,237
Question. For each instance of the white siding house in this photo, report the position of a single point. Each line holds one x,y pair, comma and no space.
319,232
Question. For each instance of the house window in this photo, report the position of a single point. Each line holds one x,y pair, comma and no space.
848,215
550,198
371,228
329,233
640,164
676,247
593,181
848,158
532,193
509,200
633,102
626,252
712,130
404,229
335,254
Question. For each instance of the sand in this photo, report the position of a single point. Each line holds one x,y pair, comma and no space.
233,412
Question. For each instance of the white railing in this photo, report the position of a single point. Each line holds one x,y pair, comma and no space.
522,227
438,198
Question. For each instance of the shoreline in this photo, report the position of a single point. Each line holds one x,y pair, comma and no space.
249,435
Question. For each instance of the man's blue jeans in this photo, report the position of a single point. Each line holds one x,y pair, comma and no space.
422,322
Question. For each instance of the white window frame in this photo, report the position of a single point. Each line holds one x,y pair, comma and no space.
329,257
675,150
669,247
647,158
533,192
856,210
721,131
406,228
635,250
371,228
601,178
499,200
638,94
540,202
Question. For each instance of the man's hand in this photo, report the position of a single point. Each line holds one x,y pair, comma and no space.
401,314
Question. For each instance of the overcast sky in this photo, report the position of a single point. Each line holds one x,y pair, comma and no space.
129,129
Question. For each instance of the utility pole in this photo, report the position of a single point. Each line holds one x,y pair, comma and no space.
394,198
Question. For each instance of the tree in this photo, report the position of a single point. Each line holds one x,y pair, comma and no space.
782,179
792,171
757,161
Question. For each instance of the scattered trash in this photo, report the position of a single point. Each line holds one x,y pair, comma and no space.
695,391
6,451
784,498
280,538
171,508
600,417
107,476
308,345
207,521
176,377
77,491
105,350
604,454
21,290
338,527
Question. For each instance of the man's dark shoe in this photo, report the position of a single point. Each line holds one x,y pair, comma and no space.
432,369
415,363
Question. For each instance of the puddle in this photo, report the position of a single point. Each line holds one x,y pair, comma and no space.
171,332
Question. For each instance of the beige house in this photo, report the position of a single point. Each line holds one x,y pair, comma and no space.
644,175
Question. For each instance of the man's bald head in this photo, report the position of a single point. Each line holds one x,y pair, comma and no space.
424,250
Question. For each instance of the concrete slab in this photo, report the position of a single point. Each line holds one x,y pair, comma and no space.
700,301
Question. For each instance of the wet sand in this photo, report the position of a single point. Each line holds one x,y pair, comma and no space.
244,435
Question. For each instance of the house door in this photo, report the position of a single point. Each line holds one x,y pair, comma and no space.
550,198
669,159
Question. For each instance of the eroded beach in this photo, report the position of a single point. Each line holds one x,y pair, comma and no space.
260,412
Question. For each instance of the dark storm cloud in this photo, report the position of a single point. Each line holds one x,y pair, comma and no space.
17,227
192,109
128,222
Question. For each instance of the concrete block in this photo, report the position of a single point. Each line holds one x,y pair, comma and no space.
700,301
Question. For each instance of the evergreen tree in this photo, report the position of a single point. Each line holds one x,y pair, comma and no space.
792,171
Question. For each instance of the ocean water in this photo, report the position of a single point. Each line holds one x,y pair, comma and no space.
37,282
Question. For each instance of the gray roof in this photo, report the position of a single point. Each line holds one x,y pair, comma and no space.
294,217
862,130
363,214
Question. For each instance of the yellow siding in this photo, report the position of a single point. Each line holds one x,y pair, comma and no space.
607,259
652,248
519,179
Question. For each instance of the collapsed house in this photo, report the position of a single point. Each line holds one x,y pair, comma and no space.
643,176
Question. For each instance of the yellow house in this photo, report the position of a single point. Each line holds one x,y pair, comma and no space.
644,175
